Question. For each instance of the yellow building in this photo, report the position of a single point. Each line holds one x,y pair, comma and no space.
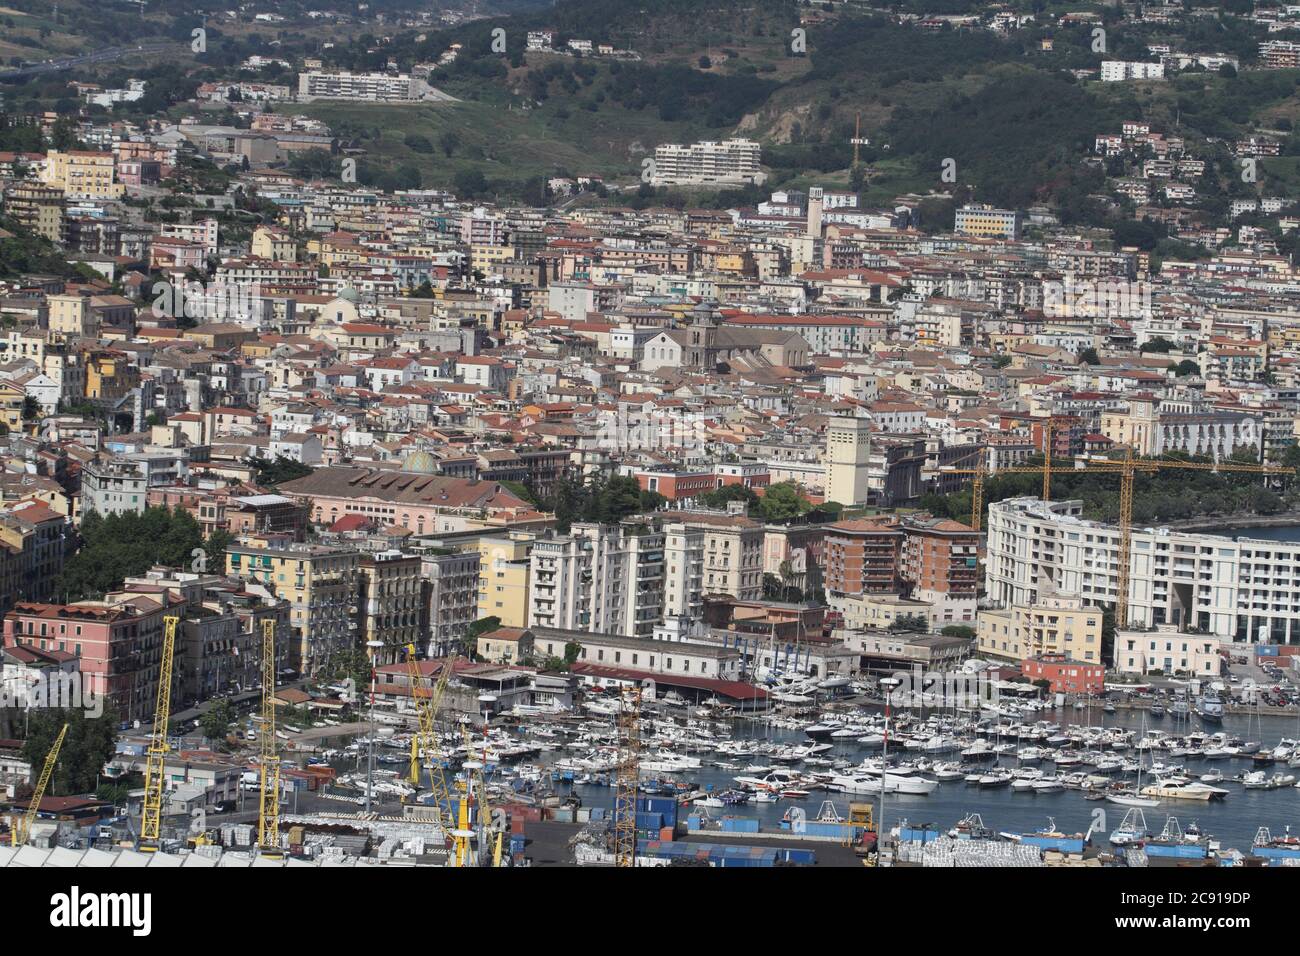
485,258
82,175
71,316
503,577
390,592
11,407
274,244
110,375
37,207
319,582
505,645
1055,625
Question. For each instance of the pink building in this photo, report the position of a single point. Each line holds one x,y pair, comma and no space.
118,647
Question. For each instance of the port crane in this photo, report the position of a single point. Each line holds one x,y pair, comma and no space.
268,810
424,743
23,825
629,772
156,756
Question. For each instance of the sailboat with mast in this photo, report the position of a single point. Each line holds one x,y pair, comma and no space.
1132,796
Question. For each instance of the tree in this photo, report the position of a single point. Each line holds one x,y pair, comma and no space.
89,744
31,409
1089,356
272,473
125,545
449,142
719,497
1158,344
216,721
958,630
909,622
484,625
782,502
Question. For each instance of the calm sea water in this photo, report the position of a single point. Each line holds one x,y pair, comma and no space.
1284,533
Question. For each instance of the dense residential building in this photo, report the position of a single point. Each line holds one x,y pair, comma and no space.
319,582
1058,626
1220,586
391,607
601,579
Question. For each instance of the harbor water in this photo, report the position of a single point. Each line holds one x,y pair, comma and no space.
1233,820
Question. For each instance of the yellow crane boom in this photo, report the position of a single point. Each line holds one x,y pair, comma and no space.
424,744
23,830
268,811
156,757
629,773
1128,467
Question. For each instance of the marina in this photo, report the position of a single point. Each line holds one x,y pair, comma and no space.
770,770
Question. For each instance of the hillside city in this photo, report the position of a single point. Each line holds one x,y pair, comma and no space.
578,477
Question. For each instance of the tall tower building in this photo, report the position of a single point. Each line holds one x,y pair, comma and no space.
816,201
848,447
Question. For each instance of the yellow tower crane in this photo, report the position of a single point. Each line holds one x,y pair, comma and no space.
155,758
268,812
629,773
1127,467
980,473
22,831
424,745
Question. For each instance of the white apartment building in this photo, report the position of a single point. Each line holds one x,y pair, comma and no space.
114,487
1242,590
1116,71
732,162
318,84
1166,650
598,578
683,570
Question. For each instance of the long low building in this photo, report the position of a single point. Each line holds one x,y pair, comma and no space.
654,657
421,503
1242,590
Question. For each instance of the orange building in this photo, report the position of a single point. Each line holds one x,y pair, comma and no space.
862,556
941,558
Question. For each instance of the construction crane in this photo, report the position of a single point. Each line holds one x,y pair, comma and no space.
980,473
23,825
155,758
268,811
424,743
629,772
1127,467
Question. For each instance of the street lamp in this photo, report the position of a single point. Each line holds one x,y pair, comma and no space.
887,684
372,649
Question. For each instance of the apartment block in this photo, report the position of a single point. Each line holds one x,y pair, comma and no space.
391,603
733,162
1056,625
598,578
82,174
320,584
